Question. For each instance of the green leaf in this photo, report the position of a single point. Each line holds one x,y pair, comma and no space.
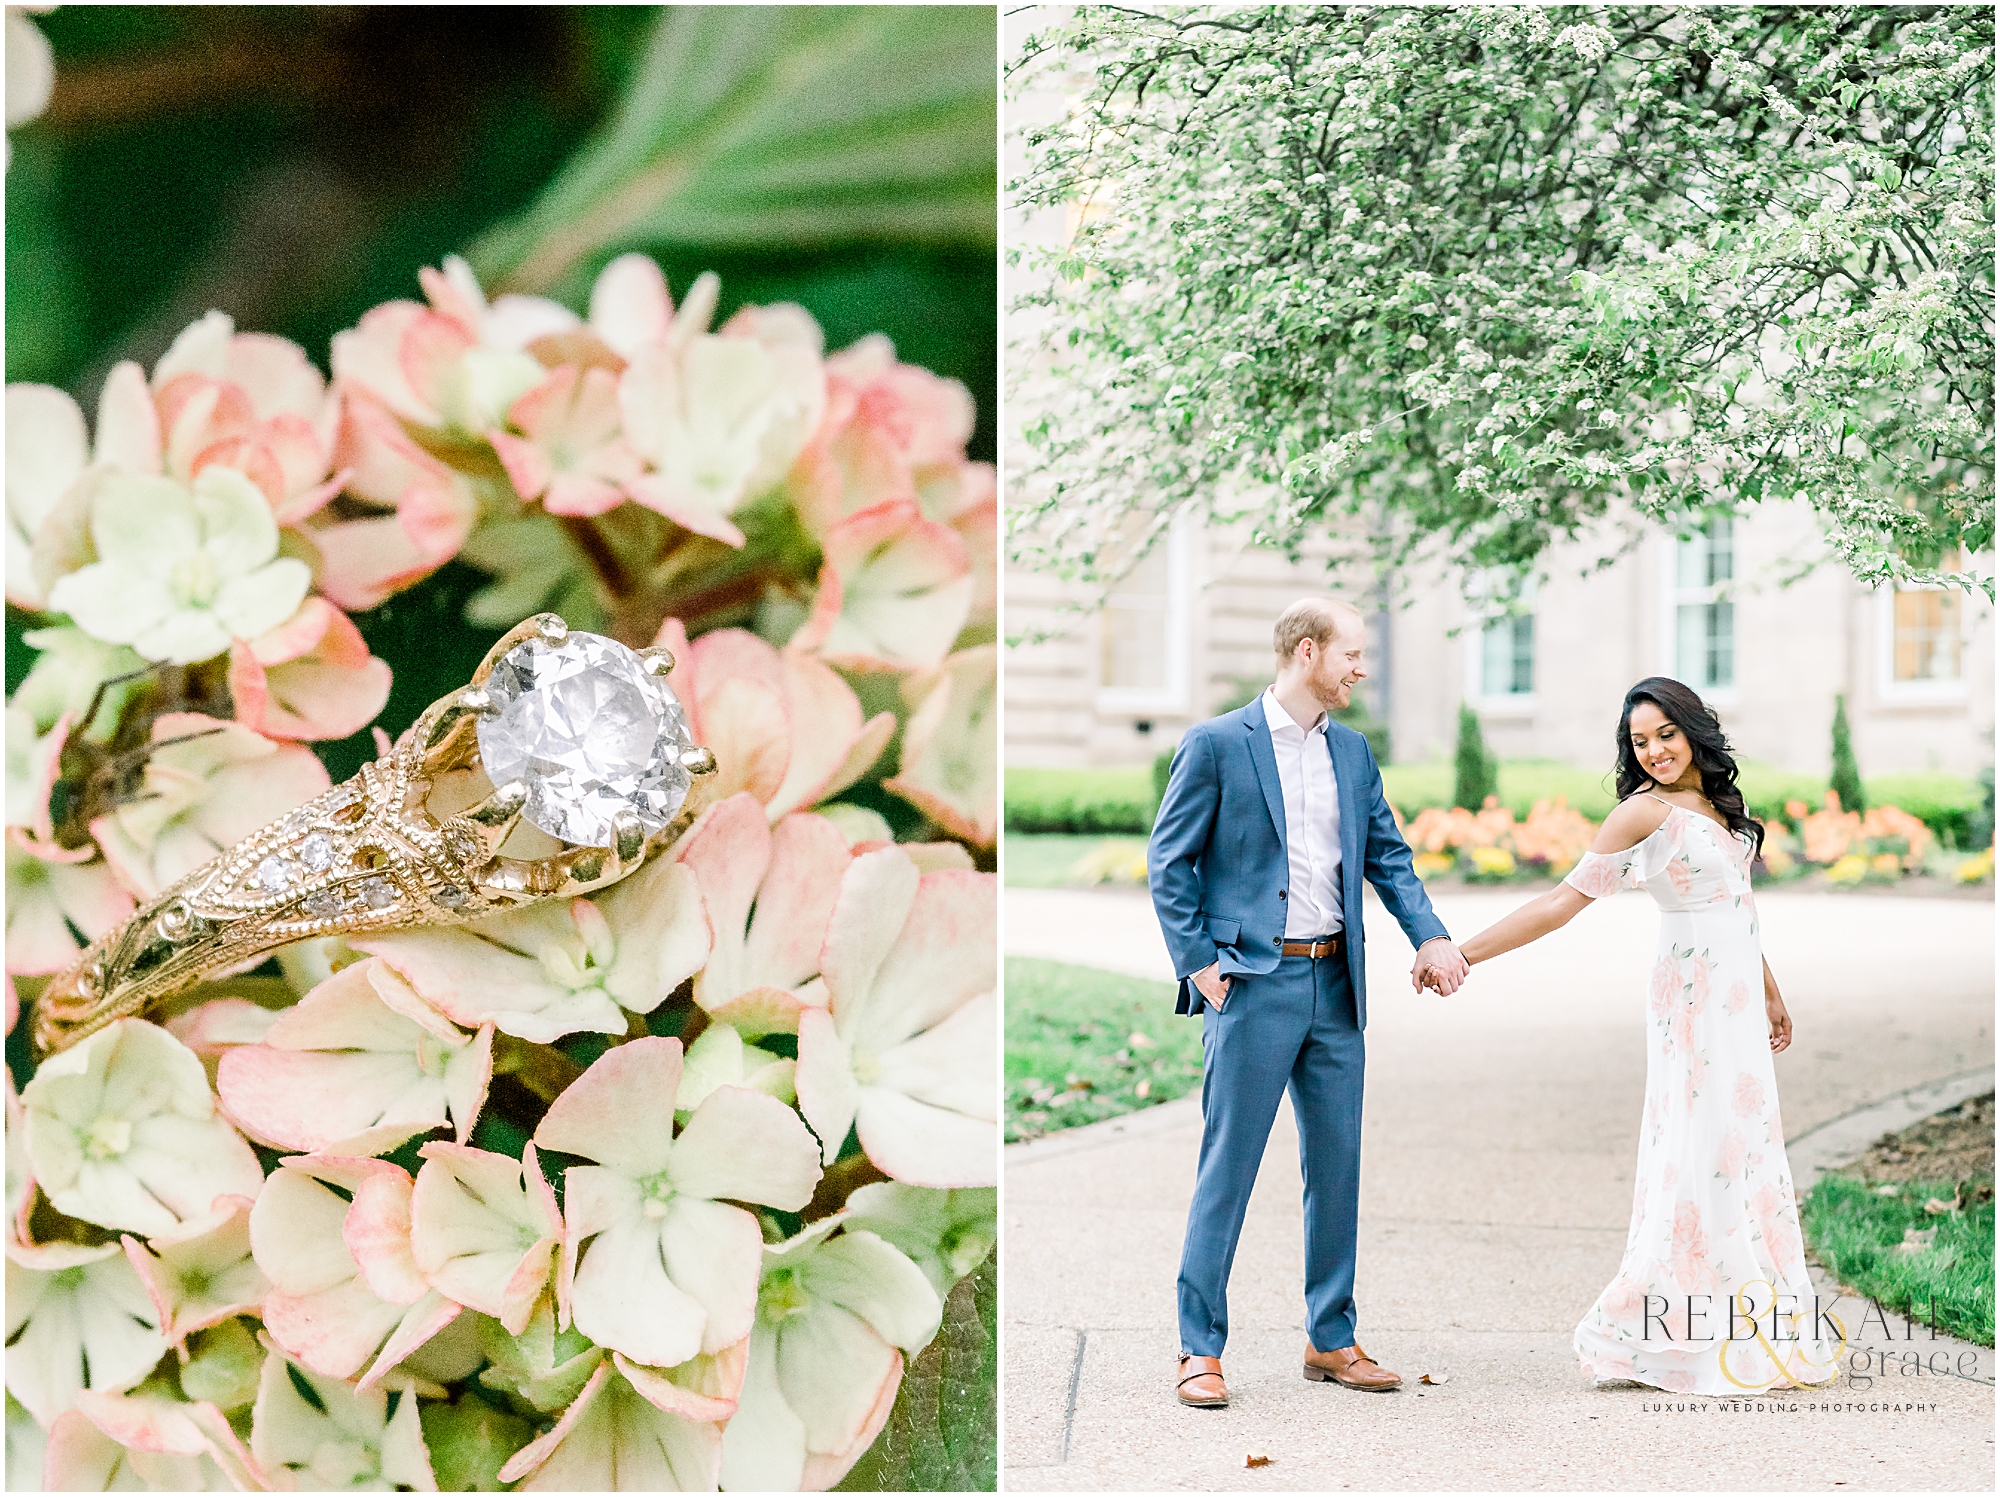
799,125
942,1436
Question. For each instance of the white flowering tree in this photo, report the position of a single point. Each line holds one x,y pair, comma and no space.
1488,275
687,1183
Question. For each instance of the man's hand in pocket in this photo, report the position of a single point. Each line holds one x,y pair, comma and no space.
1212,985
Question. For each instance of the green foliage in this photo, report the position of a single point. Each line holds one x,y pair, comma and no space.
1490,276
1357,716
745,127
1163,768
1079,801
1979,824
1845,779
1856,1233
1476,774
943,1434
1071,1058
470,1440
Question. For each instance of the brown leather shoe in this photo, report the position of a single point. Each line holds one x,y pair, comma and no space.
1351,1367
1201,1383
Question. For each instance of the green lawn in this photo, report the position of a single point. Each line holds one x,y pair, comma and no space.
1856,1231
1049,860
1080,1043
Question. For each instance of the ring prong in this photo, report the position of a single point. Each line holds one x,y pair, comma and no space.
551,627
659,660
476,700
628,837
698,760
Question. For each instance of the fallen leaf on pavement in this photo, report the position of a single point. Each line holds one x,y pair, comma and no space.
1256,1458
1435,1379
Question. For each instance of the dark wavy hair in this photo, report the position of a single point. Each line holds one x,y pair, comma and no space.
1688,712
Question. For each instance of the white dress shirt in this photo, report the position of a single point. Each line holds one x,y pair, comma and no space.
1312,822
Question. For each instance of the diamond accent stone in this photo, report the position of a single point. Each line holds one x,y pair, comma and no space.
316,852
322,903
377,893
451,896
272,875
589,732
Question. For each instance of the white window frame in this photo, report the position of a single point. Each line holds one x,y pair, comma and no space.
1506,704
1172,697
1892,692
1673,596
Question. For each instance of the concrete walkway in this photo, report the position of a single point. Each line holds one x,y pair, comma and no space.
1499,1140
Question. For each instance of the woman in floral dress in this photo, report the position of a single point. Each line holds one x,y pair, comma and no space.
1714,1242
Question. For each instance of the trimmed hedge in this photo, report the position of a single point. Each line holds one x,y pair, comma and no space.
1120,800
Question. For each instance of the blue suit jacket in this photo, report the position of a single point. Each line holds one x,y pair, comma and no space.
1217,857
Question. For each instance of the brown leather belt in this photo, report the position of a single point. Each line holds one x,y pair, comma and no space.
1315,949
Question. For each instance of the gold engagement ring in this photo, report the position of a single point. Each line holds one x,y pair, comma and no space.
564,765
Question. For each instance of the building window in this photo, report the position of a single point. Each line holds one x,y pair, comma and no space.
1142,630
1507,646
1925,634
1704,617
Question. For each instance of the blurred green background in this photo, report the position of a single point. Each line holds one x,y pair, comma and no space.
295,166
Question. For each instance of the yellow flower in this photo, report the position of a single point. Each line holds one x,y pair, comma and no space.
1975,870
1886,865
1848,870
1492,862
1432,865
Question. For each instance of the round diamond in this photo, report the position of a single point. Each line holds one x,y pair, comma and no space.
316,852
272,875
589,732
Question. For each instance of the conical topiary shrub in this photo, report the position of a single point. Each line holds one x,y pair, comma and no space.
1845,781
1478,776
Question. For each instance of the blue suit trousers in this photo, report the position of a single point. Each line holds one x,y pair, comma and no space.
1292,1027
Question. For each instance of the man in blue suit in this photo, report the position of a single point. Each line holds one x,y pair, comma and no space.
1273,816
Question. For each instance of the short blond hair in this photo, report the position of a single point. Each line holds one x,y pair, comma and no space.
1310,618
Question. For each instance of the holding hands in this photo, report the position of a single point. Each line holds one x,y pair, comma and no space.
1440,967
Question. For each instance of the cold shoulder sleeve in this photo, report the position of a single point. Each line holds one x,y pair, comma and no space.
1601,874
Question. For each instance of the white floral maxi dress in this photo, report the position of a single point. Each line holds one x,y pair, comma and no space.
1713,1215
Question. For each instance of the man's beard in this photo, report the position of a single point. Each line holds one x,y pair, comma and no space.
1327,686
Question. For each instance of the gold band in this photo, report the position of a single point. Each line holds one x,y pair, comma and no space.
367,856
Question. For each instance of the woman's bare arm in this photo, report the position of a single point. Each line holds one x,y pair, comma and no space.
1627,826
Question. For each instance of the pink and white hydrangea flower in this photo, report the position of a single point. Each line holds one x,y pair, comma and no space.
405,513
485,1229
904,1051
345,1287
146,1441
783,725
570,452
52,893
719,417
630,1429
891,431
895,589
310,677
835,1317
122,1131
181,569
357,1067
208,784
455,365
252,403
556,968
203,1273
655,1265
77,1317
344,1439
950,763
767,893
52,471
